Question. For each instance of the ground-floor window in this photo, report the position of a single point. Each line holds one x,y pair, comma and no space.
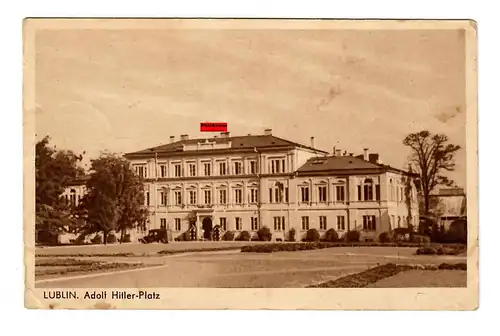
238,223
340,223
177,224
163,223
255,224
322,222
369,223
279,223
223,223
305,223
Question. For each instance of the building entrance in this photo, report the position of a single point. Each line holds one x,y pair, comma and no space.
207,228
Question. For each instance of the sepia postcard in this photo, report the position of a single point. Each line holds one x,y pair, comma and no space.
250,164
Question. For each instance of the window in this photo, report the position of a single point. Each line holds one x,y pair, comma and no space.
278,195
286,194
368,190
279,223
163,198
192,169
207,168
238,223
177,224
399,221
369,223
340,223
377,192
277,166
222,196
177,170
147,198
305,223
192,197
237,196
178,197
322,193
222,168
304,194
163,223
163,170
253,167
208,196
253,196
72,197
223,223
255,224
322,222
270,195
237,168
391,191
340,193
359,193
142,171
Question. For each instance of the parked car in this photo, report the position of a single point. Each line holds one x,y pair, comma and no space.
156,236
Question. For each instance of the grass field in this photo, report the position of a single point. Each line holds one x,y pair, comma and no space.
232,269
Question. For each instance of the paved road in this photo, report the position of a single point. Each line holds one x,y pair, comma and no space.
136,247
240,270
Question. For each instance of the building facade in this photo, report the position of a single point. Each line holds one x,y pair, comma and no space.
245,182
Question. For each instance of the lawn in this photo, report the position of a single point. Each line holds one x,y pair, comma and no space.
420,278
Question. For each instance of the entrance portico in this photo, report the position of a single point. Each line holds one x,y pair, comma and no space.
204,223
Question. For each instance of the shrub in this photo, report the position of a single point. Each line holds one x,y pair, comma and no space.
457,233
312,235
97,239
111,238
291,235
126,238
228,235
352,236
331,236
420,239
384,237
264,234
244,236
80,240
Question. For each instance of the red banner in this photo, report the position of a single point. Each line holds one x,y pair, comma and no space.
213,127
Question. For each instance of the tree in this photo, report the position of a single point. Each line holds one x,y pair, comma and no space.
54,171
115,197
432,155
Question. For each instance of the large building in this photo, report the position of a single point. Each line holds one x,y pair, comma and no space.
241,183
451,205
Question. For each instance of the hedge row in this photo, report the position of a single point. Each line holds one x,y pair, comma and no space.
87,269
208,249
378,273
442,250
277,247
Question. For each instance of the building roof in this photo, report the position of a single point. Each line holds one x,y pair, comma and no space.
248,142
345,164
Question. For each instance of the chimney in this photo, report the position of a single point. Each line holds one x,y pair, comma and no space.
224,134
365,154
184,137
172,138
312,142
338,152
268,131
373,158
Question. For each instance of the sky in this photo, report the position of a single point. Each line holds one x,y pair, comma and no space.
124,90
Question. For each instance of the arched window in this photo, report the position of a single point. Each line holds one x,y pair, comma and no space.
368,189
391,190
